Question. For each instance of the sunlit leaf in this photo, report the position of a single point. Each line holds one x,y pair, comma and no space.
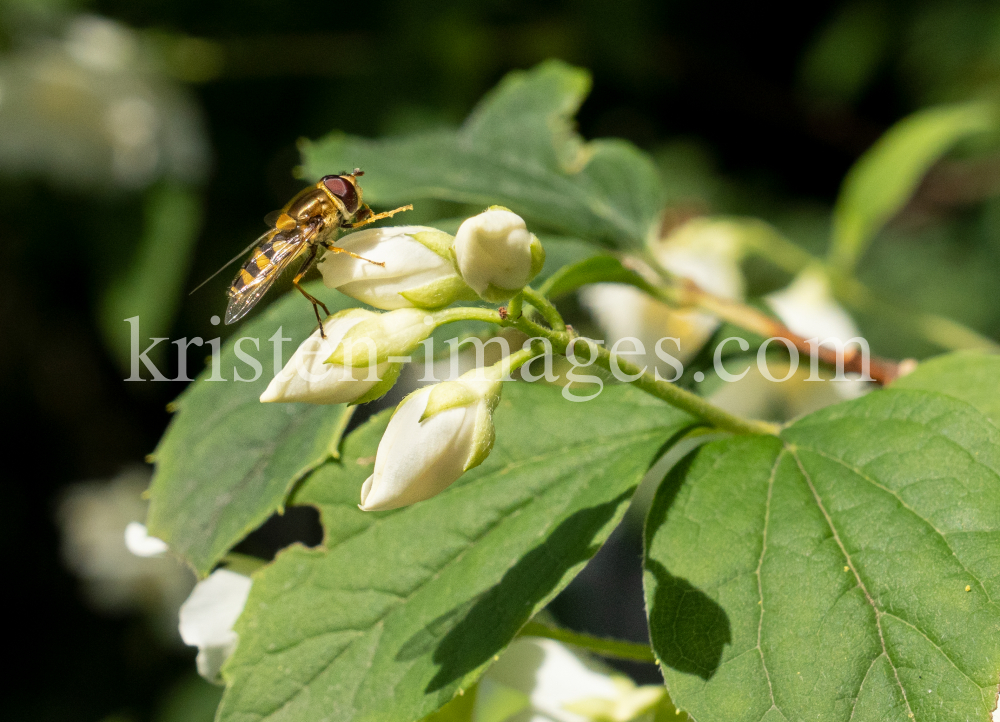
518,149
227,461
403,609
847,571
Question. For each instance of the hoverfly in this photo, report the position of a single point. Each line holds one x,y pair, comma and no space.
313,218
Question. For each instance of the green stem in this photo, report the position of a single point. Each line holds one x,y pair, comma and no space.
545,307
672,394
598,645
467,313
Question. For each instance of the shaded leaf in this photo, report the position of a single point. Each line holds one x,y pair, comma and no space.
227,461
884,178
402,609
825,575
518,149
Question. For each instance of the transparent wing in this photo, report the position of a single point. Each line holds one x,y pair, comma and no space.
283,249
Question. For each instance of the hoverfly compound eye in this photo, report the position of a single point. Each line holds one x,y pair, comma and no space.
344,190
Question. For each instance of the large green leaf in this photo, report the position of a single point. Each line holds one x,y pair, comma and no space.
970,376
227,461
517,149
402,609
885,177
847,571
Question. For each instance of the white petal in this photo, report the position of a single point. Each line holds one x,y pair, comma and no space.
307,378
408,265
417,460
494,247
208,615
139,542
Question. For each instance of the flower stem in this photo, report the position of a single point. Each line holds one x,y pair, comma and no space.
664,390
598,645
545,307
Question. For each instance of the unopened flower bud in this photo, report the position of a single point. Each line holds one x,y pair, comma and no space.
496,254
419,270
437,434
307,377
382,335
208,616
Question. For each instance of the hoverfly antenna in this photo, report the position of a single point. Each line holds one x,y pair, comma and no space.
358,172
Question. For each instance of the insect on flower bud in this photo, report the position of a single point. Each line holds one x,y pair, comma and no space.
496,254
419,270
380,336
436,434
308,378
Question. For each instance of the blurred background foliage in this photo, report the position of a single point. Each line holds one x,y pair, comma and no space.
142,142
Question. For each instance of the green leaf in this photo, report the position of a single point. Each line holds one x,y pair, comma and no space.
969,376
151,286
597,269
403,609
885,177
847,571
517,149
227,461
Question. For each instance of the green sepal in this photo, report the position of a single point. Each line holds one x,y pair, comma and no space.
395,333
380,389
537,257
437,241
448,395
483,436
495,294
440,293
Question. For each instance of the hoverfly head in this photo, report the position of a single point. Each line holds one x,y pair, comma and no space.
345,188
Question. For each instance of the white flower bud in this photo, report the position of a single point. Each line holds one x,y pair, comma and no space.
208,616
496,254
381,335
418,271
309,378
436,434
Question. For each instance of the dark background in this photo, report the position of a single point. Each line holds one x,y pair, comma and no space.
740,86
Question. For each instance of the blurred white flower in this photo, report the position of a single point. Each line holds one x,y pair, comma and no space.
541,680
418,270
705,251
207,618
436,434
307,377
93,517
807,307
139,542
496,254
95,110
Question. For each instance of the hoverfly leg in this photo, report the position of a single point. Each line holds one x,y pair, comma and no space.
372,217
337,249
316,303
